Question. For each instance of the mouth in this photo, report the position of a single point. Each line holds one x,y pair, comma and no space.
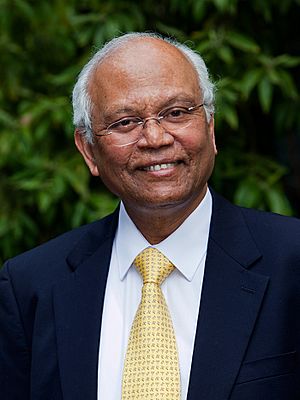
158,167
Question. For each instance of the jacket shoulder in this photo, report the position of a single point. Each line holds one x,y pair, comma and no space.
50,257
275,224
278,233
257,218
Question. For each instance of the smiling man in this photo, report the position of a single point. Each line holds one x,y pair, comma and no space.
178,294
159,173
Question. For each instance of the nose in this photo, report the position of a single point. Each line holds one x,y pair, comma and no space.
154,135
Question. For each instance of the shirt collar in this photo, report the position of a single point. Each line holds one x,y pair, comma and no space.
185,247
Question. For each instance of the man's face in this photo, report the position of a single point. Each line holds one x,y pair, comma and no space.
141,79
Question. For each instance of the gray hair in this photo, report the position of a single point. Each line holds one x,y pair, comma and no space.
82,103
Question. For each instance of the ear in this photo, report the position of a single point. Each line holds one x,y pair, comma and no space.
87,151
211,132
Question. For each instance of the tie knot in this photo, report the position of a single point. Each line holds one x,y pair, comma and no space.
153,266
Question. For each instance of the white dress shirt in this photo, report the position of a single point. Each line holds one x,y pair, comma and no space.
186,248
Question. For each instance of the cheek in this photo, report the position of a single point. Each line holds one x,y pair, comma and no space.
196,144
112,163
113,156
201,152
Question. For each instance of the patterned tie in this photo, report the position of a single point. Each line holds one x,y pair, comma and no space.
151,369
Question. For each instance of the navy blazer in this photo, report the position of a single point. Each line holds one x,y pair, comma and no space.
248,333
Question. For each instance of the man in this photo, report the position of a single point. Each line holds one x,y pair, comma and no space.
143,111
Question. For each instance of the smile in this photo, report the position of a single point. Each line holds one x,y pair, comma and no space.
158,167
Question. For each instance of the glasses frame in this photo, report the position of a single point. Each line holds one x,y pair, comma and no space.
143,121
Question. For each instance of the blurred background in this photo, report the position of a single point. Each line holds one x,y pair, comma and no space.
252,51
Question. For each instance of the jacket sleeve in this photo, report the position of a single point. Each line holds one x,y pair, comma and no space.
14,348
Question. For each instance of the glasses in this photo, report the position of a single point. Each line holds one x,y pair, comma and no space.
127,130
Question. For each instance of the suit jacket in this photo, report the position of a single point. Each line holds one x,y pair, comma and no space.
248,334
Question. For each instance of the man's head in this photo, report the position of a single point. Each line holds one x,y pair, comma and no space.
139,77
82,104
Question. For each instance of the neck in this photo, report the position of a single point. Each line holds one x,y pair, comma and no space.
157,223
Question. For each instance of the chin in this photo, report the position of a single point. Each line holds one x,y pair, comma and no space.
161,202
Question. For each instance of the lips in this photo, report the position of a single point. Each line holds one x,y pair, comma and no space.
159,164
158,167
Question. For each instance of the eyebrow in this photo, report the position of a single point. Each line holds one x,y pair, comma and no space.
181,97
113,114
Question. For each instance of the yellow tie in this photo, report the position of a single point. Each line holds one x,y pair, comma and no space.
151,369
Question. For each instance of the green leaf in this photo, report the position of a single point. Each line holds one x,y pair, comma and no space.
242,42
225,54
229,114
225,5
25,8
247,193
7,120
286,60
265,91
287,84
250,80
278,202
199,8
273,76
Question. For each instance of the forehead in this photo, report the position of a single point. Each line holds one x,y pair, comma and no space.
142,71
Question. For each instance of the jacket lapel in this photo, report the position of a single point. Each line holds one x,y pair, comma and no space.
78,304
231,299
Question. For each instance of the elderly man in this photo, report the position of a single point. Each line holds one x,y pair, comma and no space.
178,294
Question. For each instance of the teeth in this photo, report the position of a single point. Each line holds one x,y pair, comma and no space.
158,167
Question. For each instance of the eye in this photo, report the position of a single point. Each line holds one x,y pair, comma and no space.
175,113
124,125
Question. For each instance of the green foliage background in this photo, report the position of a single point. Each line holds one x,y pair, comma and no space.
251,48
